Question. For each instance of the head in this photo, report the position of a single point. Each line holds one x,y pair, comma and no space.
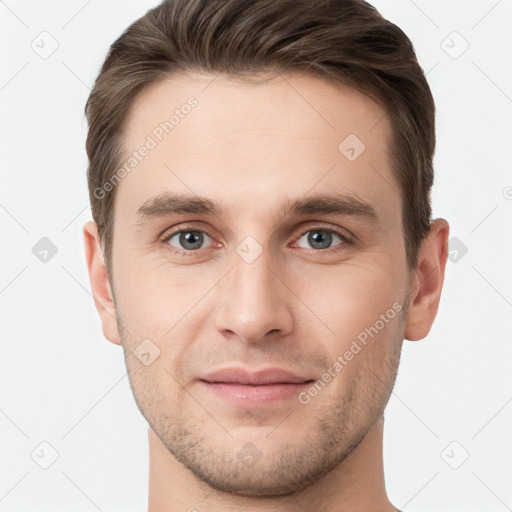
260,176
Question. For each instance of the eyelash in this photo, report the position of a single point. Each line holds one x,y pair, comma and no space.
346,241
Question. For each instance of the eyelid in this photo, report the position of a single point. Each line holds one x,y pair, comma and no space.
193,226
318,225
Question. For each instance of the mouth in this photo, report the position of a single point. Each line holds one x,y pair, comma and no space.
255,389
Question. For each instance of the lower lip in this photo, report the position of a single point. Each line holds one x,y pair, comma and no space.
254,395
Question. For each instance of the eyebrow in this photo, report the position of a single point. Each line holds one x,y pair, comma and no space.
167,204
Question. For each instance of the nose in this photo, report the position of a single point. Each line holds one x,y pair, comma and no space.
255,301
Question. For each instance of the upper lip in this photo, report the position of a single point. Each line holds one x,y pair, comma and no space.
265,376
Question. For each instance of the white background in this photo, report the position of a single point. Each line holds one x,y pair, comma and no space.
61,382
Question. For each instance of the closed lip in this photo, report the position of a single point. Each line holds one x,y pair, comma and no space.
259,377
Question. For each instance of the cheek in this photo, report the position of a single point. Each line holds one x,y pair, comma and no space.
155,299
351,296
363,309
360,310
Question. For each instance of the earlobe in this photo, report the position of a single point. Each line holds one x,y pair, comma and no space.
427,284
100,284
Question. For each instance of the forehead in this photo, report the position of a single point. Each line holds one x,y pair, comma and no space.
231,139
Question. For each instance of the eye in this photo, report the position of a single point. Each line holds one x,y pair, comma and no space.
187,239
322,239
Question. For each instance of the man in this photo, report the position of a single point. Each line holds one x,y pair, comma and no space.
262,244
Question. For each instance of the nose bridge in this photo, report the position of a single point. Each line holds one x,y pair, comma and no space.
254,301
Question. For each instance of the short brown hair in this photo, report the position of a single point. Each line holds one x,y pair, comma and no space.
344,40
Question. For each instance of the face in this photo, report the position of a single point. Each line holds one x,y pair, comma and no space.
255,235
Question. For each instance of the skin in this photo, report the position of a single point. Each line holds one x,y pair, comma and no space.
250,148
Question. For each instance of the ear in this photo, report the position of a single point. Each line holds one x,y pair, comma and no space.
427,282
100,284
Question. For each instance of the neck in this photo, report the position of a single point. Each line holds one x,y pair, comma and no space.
356,484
